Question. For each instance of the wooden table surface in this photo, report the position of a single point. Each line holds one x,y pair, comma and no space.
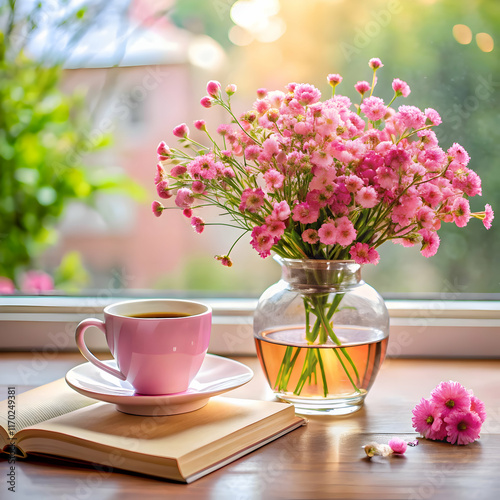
320,461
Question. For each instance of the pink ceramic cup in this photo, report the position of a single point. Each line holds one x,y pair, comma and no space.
155,355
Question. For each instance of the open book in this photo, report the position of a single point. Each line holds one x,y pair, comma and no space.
53,420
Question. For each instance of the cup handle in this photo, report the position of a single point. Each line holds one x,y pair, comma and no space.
80,342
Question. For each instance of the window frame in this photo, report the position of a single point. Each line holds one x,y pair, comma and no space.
419,328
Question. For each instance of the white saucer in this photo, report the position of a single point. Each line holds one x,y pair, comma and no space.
217,375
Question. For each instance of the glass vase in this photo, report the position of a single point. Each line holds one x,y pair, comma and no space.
321,335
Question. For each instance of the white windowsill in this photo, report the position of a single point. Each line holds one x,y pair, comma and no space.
419,328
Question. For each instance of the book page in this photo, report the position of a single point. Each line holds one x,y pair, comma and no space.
220,429
43,403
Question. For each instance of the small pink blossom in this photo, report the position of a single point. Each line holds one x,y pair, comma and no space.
251,200
261,93
489,215
160,175
262,240
328,233
275,226
231,89
459,154
200,125
36,282
345,231
477,406
374,108
188,213
198,187
281,210
305,214
310,236
307,94
163,151
400,87
157,208
427,420
362,87
375,63
366,197
462,427
411,117
163,190
178,170
213,88
181,131
362,253
7,286
274,179
430,242
184,198
334,79
198,224
398,445
433,116
206,102
450,396
225,260
461,212
203,167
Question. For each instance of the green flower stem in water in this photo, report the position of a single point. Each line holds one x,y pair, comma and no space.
316,305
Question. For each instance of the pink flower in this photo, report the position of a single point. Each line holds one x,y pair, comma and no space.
327,233
459,154
231,89
274,180
433,116
398,445
374,108
362,87
307,94
198,187
181,130
462,427
157,208
188,213
477,406
375,63
36,282
225,260
411,117
281,210
430,242
275,226
163,151
198,224
334,79
461,212
7,286
206,102
400,87
261,93
163,190
160,175
305,214
184,198
450,396
353,183
251,200
200,125
362,253
488,216
366,197
427,420
213,88
262,240
203,167
310,236
178,170
345,231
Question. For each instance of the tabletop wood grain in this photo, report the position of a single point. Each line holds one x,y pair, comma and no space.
323,460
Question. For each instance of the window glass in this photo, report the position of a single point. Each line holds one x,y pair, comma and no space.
140,68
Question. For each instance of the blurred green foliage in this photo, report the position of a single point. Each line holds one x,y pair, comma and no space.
43,146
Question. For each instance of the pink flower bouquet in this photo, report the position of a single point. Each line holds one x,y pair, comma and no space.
320,179
312,179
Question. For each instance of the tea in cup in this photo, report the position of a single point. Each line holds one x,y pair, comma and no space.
159,344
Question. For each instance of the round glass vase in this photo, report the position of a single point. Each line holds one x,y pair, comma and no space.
321,335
